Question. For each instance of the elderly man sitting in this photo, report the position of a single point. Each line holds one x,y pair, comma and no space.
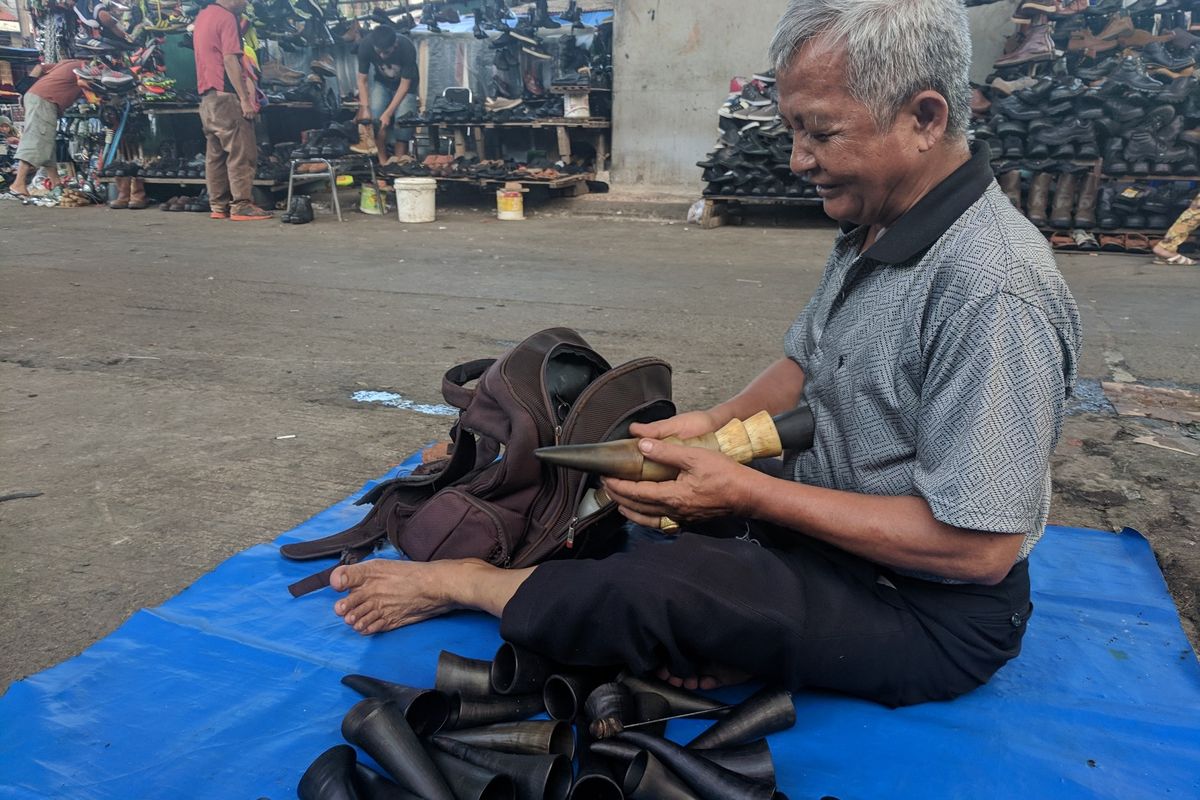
890,560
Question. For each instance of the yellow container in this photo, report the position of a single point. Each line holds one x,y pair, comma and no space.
510,204
369,199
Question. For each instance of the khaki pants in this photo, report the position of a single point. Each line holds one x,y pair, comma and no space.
232,150
1188,221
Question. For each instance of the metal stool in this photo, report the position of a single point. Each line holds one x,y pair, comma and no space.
330,172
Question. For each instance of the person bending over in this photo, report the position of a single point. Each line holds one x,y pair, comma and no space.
890,561
387,87
55,90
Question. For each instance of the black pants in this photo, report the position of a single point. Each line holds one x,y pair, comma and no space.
784,608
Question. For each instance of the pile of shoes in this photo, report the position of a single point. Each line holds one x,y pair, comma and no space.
331,142
198,204
104,81
120,169
473,733
171,167
74,198
753,153
1094,111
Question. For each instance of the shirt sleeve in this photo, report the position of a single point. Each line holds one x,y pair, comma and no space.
364,59
227,36
990,415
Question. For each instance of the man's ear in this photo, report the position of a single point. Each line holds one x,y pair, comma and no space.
930,114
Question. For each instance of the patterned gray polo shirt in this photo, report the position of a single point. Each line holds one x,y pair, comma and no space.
939,361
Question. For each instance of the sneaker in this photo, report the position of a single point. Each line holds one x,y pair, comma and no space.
248,212
219,213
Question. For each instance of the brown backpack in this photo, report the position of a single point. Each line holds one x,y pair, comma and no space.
492,498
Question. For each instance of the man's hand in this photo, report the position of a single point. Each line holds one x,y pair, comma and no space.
249,110
385,119
709,485
685,425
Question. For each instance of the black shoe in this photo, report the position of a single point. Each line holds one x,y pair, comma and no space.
1097,71
1063,152
1169,133
1010,127
1035,94
1178,91
1012,108
1144,146
1140,168
1038,149
1074,130
1060,109
1086,110
1159,221
1013,147
1157,55
1135,220
1068,90
1132,75
1122,110
1156,118
1089,149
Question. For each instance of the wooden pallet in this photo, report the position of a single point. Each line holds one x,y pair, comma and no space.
719,208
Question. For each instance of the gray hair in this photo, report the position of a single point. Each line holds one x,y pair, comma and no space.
895,49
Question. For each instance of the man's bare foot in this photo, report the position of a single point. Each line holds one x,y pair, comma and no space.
714,677
386,594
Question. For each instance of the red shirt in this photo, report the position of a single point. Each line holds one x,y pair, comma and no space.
215,36
59,84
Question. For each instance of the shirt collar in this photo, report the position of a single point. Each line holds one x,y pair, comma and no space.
933,214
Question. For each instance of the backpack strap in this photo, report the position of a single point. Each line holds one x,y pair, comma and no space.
319,580
456,378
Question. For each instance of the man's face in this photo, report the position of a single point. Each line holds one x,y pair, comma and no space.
239,6
385,52
862,174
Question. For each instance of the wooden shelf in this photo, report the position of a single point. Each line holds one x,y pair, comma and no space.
548,122
555,183
195,181
159,109
1134,178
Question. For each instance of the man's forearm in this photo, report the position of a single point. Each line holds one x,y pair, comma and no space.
233,70
364,93
776,389
897,531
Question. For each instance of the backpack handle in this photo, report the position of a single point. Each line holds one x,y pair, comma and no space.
455,380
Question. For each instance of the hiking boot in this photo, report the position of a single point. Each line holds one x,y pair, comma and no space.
1178,91
324,66
1064,201
1097,71
1142,40
1091,46
137,194
1036,93
248,212
1011,127
1089,149
276,73
1037,46
1085,209
122,200
1038,149
1122,110
1157,55
1039,198
1106,217
1068,90
1132,74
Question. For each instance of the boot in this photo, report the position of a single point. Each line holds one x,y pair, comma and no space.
137,193
122,200
1038,46
1085,210
1064,201
1039,198
366,140
1010,183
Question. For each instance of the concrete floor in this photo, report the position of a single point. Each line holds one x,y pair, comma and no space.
149,361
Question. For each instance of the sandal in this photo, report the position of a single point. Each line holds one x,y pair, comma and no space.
1176,260
1084,240
1112,243
1062,241
1137,243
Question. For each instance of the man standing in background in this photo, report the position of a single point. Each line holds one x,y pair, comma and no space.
227,111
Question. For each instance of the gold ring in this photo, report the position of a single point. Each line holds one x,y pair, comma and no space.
668,525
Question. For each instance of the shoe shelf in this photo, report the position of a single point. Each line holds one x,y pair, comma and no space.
547,122
555,183
160,109
199,182
1134,178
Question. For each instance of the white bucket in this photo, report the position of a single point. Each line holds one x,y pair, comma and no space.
416,199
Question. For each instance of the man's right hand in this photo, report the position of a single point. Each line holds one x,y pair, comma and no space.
248,109
685,425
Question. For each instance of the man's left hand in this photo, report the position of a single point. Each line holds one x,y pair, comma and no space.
709,485
385,119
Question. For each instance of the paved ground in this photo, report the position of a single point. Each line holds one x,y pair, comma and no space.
149,361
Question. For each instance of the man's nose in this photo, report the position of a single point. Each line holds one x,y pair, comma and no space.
802,159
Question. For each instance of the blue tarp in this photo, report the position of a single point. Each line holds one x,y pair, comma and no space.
231,688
